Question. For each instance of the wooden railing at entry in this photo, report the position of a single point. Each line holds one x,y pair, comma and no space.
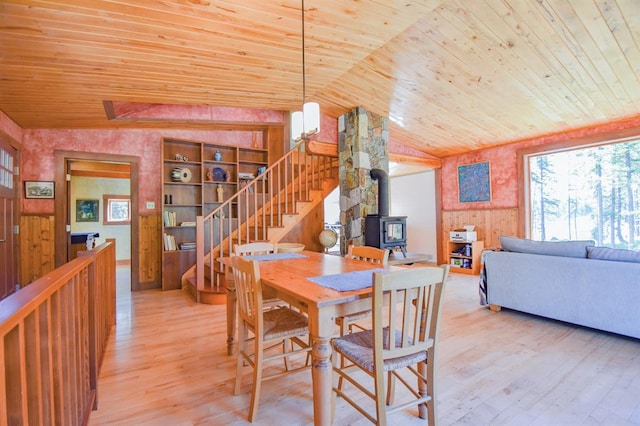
53,334
262,203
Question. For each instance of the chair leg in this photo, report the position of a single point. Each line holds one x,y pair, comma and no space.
257,380
344,330
391,388
287,346
381,408
334,381
431,390
242,349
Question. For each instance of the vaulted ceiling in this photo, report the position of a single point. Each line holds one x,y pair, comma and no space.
452,75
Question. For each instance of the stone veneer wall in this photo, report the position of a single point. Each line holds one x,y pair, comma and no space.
363,144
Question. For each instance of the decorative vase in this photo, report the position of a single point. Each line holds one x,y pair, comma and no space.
217,156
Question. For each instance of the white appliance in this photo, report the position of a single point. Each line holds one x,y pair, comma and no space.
463,236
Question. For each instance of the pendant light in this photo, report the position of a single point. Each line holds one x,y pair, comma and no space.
306,122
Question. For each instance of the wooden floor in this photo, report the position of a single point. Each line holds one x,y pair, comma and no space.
166,365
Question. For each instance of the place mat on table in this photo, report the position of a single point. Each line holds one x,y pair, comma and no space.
348,281
275,256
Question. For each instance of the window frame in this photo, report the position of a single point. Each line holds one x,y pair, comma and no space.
108,200
524,174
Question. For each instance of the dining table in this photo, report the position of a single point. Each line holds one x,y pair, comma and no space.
324,286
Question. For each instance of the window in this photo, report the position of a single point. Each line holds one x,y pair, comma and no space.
117,209
587,193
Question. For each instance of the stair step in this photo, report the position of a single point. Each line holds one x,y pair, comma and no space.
285,216
210,295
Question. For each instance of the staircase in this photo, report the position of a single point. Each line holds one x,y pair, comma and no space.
265,209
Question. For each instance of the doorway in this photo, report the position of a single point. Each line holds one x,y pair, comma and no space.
8,208
106,165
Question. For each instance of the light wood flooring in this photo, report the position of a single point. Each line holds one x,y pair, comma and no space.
166,365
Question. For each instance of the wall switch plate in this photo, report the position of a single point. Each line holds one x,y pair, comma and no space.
151,205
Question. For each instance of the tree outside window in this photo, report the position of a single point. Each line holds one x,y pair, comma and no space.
589,193
117,210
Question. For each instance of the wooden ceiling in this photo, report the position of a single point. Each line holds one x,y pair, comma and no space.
452,76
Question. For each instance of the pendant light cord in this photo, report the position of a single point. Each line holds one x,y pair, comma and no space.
304,78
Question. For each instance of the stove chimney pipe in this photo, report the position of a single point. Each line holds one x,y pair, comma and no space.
383,190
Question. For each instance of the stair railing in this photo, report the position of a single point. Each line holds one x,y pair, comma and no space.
258,204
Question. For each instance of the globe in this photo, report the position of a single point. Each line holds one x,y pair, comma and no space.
328,238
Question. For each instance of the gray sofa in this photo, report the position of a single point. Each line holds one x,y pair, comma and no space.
571,281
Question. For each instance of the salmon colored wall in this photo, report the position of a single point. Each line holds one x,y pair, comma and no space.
11,129
39,146
503,166
503,172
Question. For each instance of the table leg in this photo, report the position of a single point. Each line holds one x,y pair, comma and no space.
231,312
322,372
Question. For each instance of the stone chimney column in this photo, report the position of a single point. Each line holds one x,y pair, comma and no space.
363,144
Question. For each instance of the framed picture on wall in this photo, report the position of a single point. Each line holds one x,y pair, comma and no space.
474,182
87,210
39,189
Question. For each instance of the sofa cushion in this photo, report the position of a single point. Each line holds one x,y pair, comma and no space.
618,255
576,248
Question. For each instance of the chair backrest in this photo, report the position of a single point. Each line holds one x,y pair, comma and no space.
368,253
254,248
246,275
408,303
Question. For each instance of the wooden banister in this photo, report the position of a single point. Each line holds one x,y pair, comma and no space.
49,352
261,204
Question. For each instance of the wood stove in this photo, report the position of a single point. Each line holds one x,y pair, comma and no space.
381,230
386,232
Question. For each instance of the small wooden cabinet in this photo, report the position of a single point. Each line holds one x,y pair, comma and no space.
195,177
465,257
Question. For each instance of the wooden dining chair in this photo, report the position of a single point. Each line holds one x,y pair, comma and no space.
406,306
257,248
263,332
372,255
260,247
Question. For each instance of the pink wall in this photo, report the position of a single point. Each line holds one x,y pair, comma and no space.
503,166
11,129
39,146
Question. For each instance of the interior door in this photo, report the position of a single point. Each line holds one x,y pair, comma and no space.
8,199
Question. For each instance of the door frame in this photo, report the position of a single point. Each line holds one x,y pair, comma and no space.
62,213
15,212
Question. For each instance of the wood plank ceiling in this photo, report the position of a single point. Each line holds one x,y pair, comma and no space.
452,76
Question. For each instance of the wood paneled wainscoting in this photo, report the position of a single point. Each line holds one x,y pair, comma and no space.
489,223
150,249
52,339
37,247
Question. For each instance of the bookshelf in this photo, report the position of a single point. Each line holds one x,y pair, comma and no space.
196,178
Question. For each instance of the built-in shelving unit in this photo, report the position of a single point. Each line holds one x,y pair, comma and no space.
196,178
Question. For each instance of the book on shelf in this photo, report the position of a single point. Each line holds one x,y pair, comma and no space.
188,224
169,242
242,175
170,218
188,245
